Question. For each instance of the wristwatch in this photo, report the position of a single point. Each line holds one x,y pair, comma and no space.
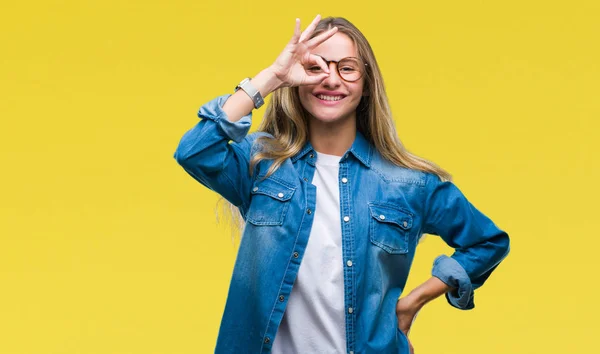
251,91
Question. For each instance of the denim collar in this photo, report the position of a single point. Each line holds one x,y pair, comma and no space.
361,149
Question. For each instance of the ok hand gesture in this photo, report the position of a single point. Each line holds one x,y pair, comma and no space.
291,65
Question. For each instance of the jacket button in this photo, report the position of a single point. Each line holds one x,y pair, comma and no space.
349,263
382,217
255,189
308,211
295,254
350,310
305,179
280,195
346,218
267,339
281,298
405,224
344,180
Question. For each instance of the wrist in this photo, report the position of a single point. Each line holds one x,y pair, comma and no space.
428,291
266,82
417,298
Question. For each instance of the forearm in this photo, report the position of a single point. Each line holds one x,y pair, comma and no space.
429,290
240,104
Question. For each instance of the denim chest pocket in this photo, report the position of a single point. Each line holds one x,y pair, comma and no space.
270,202
390,227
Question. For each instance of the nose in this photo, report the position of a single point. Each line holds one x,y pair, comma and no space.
333,80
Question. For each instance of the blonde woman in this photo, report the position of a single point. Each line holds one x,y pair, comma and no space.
333,205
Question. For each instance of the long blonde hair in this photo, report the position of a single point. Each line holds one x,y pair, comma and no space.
287,120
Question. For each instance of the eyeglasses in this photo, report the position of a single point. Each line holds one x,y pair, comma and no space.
350,68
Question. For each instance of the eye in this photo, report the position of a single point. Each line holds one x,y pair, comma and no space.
315,69
349,65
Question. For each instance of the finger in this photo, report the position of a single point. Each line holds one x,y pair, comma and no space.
309,30
296,36
315,80
313,42
317,59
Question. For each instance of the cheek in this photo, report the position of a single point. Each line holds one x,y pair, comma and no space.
359,90
357,93
304,94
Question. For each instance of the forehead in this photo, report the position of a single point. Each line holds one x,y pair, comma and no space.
337,47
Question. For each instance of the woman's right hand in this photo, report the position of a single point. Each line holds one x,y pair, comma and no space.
290,66
288,70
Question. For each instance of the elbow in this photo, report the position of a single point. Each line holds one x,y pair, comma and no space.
185,148
192,146
506,244
190,151
502,246
188,157
181,157
199,161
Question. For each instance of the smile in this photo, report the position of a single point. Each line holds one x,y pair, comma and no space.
329,98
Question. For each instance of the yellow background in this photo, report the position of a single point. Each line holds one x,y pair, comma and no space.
108,246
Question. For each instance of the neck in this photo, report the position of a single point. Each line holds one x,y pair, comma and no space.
332,138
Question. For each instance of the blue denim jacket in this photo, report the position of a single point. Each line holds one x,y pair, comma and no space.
385,210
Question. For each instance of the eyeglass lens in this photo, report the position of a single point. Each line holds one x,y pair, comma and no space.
350,69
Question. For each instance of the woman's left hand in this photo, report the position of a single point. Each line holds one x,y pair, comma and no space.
406,311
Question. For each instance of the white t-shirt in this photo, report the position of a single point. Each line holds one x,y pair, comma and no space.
314,320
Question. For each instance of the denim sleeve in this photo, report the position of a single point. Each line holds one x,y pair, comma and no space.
479,245
205,152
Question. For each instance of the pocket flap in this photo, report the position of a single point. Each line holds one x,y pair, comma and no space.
273,189
391,214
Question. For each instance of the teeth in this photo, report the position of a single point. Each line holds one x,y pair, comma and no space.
330,98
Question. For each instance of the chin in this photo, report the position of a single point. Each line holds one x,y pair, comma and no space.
329,118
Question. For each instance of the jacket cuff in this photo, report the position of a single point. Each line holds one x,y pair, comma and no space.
448,270
235,131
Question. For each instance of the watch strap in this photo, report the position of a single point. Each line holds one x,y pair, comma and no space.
251,91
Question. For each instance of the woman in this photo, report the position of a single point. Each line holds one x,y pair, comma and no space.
333,205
